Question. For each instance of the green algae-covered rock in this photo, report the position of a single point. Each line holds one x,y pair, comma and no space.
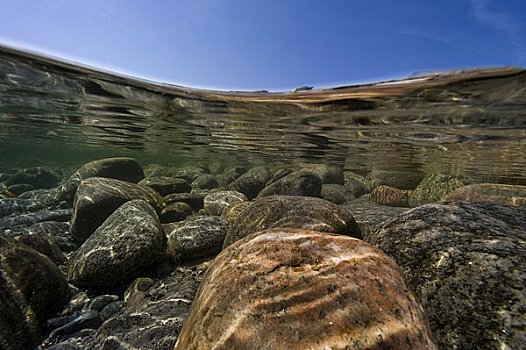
294,212
128,243
433,188
32,289
98,197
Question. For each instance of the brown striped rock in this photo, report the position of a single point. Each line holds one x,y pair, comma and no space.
298,289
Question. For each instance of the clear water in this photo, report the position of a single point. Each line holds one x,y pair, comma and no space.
471,123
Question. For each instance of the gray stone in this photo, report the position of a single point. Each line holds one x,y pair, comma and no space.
299,183
32,289
196,238
356,183
433,188
327,173
251,182
467,264
216,202
19,189
174,212
205,182
230,175
43,245
154,322
370,216
128,243
194,200
165,185
337,194
294,212
98,197
120,168
37,177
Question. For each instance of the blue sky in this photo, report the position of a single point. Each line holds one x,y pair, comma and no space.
270,44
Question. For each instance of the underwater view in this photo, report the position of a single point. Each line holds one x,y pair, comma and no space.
143,215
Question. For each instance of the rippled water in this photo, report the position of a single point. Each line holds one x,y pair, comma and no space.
469,123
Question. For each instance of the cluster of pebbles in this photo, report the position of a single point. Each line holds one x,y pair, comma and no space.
117,256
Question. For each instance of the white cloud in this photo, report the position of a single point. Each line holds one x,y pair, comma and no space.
504,22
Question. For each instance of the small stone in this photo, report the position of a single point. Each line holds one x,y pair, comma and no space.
175,212
205,182
216,202
140,284
99,302
196,238
327,173
299,183
194,200
120,168
337,194
165,185
251,182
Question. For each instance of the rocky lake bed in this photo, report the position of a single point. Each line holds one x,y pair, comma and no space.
119,255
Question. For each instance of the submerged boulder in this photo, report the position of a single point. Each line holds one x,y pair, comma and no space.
128,243
466,263
32,289
298,183
98,197
216,202
119,168
251,182
433,188
295,212
297,289
514,195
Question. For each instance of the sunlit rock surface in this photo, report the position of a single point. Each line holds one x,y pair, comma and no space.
128,243
298,289
98,197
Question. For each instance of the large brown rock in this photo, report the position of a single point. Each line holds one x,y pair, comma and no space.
297,289
295,212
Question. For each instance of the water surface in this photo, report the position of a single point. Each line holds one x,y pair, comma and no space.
466,123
